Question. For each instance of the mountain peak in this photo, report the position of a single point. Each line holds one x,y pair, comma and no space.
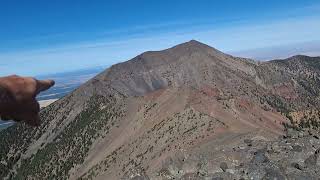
195,42
174,53
183,49
193,45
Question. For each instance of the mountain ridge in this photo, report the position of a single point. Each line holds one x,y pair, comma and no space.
185,46
190,101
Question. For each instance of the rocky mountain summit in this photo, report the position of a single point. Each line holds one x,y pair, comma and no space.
294,155
187,112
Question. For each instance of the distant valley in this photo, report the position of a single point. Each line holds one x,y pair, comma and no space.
65,83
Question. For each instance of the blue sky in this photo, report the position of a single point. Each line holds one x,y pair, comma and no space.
45,37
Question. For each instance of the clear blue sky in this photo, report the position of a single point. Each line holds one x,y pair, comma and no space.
45,37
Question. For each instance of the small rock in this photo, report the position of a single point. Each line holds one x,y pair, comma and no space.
222,176
191,176
248,142
273,174
260,157
291,133
224,166
301,176
239,166
301,134
297,166
138,177
297,148
311,160
276,148
217,178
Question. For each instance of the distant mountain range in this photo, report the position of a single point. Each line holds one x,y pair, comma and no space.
187,112
283,51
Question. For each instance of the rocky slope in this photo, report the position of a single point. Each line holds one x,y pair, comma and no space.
292,156
176,113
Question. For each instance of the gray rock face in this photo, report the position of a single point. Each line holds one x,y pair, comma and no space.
299,163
